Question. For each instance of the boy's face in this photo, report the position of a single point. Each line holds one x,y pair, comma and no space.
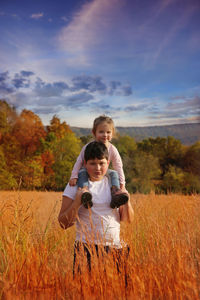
96,168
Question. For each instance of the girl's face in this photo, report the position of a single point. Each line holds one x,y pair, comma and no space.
104,133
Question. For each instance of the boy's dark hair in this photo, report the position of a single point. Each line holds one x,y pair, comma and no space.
95,150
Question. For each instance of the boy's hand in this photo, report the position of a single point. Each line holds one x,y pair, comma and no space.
78,196
72,181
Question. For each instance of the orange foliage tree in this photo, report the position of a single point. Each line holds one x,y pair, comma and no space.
60,129
28,130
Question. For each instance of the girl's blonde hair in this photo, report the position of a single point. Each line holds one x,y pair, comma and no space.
102,119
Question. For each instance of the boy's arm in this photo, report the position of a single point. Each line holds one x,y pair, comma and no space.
126,212
69,209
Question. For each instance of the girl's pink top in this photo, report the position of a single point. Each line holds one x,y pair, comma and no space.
113,156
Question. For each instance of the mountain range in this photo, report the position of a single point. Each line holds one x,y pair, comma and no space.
188,134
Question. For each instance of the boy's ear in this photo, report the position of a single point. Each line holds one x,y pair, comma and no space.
84,163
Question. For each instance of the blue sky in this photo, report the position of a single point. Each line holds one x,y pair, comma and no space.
137,61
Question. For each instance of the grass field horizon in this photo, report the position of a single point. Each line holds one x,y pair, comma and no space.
36,255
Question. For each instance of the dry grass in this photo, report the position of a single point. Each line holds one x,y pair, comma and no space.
36,254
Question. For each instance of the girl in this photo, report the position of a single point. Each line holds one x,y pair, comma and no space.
103,130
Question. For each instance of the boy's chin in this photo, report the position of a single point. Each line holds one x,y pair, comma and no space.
96,177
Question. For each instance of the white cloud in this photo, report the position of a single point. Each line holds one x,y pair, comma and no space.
65,19
37,16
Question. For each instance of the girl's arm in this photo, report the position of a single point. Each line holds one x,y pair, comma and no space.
79,163
116,160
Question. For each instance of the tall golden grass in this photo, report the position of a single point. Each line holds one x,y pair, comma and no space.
36,255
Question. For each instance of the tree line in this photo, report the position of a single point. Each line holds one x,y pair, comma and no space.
34,156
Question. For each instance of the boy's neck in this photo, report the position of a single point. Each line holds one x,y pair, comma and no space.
93,180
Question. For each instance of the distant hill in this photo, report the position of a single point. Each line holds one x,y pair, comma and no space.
187,133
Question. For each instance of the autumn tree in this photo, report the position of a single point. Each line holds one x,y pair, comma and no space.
32,173
8,117
28,130
12,153
58,128
59,150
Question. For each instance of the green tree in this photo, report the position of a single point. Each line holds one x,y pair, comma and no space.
126,145
168,150
7,181
191,160
127,148
146,169
86,139
66,151
173,180
191,184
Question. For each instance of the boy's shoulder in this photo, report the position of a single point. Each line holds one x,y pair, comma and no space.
70,191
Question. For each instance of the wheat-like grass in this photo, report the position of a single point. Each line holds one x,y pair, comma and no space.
36,255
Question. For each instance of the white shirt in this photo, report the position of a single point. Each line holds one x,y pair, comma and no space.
100,224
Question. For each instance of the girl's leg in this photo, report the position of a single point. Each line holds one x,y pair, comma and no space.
114,178
118,197
82,178
86,197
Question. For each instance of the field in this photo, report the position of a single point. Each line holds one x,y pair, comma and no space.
36,255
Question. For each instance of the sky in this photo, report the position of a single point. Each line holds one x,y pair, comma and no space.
137,61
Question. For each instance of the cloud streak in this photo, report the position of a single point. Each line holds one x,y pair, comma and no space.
92,18
37,16
95,30
90,29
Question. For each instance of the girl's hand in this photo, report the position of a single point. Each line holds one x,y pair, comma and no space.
72,181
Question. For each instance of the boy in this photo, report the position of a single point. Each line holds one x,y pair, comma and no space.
99,225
